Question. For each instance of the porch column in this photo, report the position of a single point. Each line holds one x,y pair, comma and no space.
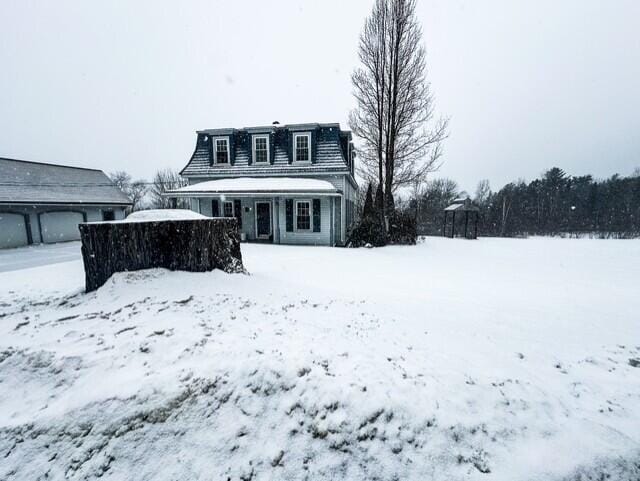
444,225
343,219
475,233
276,220
466,222
453,225
332,220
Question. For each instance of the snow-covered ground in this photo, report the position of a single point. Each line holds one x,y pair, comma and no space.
491,359
38,255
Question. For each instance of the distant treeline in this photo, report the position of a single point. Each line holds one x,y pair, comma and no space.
555,204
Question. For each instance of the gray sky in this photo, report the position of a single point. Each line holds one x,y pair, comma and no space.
124,85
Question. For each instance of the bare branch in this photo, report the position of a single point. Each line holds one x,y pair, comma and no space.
394,117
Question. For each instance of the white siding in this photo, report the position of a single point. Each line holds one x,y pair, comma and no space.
336,180
307,238
205,206
333,217
94,215
350,199
279,220
249,218
194,205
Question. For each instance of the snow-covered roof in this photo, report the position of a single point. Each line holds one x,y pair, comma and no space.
454,207
272,127
258,185
162,214
462,204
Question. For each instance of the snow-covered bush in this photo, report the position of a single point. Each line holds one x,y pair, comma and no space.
402,229
370,230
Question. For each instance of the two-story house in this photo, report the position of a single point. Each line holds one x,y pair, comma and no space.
286,184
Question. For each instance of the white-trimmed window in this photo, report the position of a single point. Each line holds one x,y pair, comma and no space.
302,147
227,208
303,215
261,149
221,150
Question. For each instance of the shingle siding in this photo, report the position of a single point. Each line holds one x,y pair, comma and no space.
327,155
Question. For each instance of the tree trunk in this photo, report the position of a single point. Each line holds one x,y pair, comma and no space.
188,245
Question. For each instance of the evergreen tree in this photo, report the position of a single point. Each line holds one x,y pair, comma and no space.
378,203
367,210
370,230
555,204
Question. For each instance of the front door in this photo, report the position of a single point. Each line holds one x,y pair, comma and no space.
263,220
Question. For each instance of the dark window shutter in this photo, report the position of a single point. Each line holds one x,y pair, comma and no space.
312,146
247,141
316,215
210,149
290,145
272,147
289,212
232,149
215,209
237,209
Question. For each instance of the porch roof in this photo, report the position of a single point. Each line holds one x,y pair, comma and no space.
257,186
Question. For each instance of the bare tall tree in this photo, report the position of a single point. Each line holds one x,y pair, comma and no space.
163,181
121,179
394,117
137,191
134,189
483,193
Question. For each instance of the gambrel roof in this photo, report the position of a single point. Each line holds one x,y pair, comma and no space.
331,152
26,182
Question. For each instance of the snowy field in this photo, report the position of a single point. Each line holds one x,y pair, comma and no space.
489,360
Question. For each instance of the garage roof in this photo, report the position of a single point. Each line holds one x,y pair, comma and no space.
26,182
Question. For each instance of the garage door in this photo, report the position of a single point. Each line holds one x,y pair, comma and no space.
13,231
60,226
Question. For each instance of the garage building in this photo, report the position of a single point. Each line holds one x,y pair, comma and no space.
44,203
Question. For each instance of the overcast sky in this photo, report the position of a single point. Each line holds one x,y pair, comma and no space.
124,85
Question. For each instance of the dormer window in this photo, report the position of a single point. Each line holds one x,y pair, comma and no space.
221,150
302,147
261,149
